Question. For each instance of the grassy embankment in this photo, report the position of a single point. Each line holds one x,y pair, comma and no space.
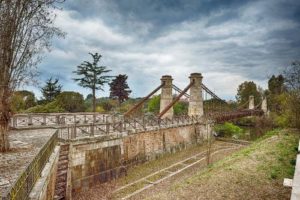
256,172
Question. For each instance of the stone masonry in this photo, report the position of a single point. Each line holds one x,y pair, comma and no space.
98,160
196,101
251,102
166,96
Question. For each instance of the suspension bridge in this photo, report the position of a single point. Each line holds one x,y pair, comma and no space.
203,106
97,147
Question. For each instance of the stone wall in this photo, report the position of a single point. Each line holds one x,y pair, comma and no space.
45,185
101,159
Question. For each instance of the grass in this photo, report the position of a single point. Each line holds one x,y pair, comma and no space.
255,172
166,160
158,176
130,189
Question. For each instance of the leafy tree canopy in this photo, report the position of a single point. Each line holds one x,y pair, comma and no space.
154,104
276,84
247,89
22,100
71,101
119,88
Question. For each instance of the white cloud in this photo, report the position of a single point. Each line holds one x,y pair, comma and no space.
244,47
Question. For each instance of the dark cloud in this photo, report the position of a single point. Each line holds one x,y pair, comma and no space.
228,41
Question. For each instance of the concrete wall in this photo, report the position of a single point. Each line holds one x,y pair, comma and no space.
45,185
296,180
102,159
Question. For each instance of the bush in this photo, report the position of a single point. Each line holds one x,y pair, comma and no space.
181,108
228,130
52,107
71,101
154,104
246,121
22,100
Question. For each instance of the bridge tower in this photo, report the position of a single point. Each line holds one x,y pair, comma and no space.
196,100
166,96
264,106
251,102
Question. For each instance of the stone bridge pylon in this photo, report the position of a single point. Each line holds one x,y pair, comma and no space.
195,97
195,100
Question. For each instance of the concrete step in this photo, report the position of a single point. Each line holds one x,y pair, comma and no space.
61,179
62,167
63,162
62,173
60,193
61,184
63,157
63,153
57,197
64,147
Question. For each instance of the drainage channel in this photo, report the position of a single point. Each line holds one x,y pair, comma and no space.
150,180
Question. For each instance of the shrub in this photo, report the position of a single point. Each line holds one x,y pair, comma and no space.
154,104
52,107
181,108
71,101
228,129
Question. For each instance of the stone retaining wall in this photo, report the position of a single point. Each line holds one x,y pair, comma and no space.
101,159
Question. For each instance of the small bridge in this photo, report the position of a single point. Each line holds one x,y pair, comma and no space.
204,107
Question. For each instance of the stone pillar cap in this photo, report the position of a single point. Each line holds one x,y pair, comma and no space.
166,77
196,75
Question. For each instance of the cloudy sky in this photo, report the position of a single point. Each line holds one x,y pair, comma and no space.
227,41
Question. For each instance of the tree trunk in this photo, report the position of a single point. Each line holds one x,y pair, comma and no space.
4,142
4,119
94,100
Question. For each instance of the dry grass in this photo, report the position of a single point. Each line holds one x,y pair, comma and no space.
255,172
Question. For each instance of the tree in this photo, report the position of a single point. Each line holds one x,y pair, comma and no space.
71,101
26,30
89,96
22,100
51,89
92,76
247,89
181,108
276,84
275,88
292,82
154,104
119,88
292,76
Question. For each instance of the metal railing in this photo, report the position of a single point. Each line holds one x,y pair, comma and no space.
25,182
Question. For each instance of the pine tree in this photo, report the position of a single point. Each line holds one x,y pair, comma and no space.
51,90
119,88
92,76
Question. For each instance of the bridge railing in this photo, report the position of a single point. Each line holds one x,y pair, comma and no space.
129,125
37,120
